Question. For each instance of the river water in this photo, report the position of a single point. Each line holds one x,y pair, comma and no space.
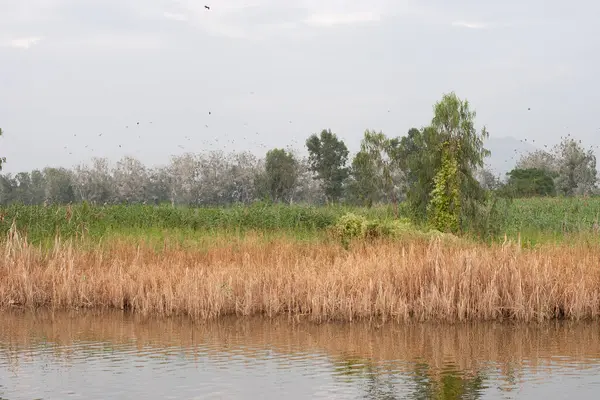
118,356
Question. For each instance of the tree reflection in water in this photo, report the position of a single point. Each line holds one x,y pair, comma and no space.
425,382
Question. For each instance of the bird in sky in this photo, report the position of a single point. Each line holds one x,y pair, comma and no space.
207,7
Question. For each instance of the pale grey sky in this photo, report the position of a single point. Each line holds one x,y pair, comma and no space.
86,67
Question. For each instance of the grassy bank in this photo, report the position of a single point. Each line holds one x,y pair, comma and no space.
538,220
417,279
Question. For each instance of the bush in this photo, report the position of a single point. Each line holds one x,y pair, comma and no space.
350,226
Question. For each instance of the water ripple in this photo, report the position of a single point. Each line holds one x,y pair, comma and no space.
117,356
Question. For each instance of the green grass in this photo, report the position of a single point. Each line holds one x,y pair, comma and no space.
542,220
42,224
537,220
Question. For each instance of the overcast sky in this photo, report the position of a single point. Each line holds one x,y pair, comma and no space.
272,72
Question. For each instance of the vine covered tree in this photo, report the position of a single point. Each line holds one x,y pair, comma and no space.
457,193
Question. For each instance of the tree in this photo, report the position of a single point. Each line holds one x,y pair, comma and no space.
160,183
185,179
378,161
38,187
7,189
59,186
327,159
420,158
131,177
539,159
281,174
530,182
456,194
570,165
487,179
2,159
308,189
577,173
242,169
363,188
94,183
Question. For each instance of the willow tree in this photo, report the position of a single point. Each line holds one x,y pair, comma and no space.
377,163
456,194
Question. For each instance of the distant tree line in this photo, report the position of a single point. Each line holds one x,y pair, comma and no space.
437,170
568,169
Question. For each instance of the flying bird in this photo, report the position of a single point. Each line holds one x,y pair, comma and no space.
207,7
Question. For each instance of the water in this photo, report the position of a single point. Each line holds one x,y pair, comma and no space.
118,356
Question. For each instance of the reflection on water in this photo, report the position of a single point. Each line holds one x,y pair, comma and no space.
115,355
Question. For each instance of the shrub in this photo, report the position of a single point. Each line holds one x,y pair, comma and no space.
350,226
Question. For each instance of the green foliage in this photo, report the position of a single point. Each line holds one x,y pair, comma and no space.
530,182
535,220
394,228
59,186
327,157
363,186
441,163
444,207
350,226
555,218
571,166
420,155
41,223
376,168
281,174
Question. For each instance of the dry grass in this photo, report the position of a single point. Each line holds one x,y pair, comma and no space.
382,281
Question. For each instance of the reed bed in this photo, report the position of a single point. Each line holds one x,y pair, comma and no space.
378,280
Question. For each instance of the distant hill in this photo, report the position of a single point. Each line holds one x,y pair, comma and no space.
506,151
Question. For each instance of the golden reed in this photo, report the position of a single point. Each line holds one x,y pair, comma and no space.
381,281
